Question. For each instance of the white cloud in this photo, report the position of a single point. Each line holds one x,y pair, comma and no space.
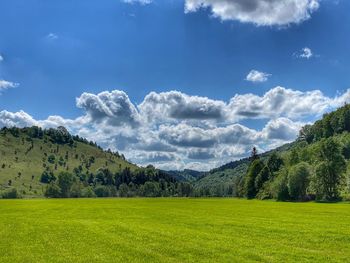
1,58
258,12
305,53
112,108
282,129
179,106
182,135
4,84
257,76
280,102
18,119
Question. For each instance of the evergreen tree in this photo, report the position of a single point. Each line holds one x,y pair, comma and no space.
255,168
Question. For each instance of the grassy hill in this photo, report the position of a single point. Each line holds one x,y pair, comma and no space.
24,157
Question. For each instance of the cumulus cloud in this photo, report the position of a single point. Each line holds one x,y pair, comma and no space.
281,129
258,12
154,157
280,102
257,76
179,106
173,130
16,119
200,154
111,108
4,84
184,135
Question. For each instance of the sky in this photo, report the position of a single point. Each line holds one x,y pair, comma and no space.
180,84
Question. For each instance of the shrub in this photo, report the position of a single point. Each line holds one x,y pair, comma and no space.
11,194
102,191
53,191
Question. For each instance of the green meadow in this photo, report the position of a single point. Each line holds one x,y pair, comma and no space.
172,230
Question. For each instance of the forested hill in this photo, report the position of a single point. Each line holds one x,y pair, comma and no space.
315,166
35,162
222,181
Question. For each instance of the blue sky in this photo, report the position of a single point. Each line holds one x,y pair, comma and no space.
54,51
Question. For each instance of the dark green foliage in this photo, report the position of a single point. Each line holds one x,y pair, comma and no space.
53,191
274,162
330,171
294,157
51,158
123,190
150,189
332,123
254,155
263,176
65,182
11,194
280,187
298,180
253,172
88,192
47,177
103,191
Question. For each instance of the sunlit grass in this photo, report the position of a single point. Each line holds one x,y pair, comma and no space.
172,230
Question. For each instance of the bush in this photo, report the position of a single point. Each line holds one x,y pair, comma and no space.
279,186
47,177
298,180
11,194
51,159
53,191
88,192
102,191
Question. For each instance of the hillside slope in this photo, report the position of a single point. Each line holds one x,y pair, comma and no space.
315,166
222,181
26,153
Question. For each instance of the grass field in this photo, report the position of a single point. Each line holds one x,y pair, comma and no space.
172,230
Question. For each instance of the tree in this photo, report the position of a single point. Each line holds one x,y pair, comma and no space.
123,190
298,180
254,154
65,182
279,186
51,158
294,157
262,177
47,177
53,191
274,162
306,134
11,194
253,171
151,189
88,192
102,191
330,171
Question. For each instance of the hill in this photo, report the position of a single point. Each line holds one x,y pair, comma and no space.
186,175
315,166
31,159
222,181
